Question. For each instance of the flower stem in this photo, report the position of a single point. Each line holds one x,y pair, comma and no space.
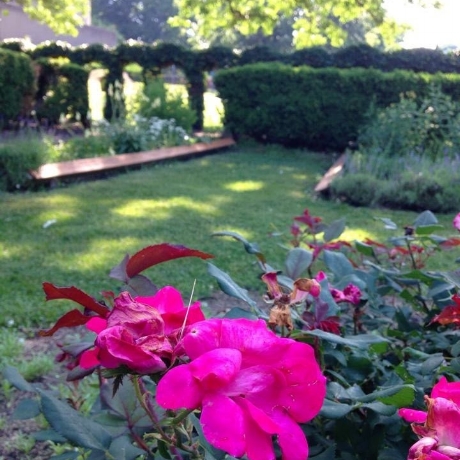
141,395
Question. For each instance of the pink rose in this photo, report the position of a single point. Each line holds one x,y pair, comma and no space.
438,427
351,293
250,385
140,333
456,222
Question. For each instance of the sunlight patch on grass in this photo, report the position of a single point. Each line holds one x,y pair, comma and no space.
163,209
245,186
357,234
298,195
101,253
298,176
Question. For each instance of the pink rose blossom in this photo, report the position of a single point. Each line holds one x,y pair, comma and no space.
140,333
456,222
351,293
250,385
438,428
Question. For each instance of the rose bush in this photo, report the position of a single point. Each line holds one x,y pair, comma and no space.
350,334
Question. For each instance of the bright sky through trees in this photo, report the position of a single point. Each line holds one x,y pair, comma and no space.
431,27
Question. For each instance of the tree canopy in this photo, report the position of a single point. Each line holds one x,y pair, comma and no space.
62,16
315,22
145,20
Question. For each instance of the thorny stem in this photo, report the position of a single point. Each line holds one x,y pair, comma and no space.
182,416
414,265
151,414
99,376
419,288
142,396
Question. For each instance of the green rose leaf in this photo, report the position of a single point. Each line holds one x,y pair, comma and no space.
237,312
297,261
66,421
334,230
13,376
380,408
334,410
228,285
357,341
27,408
425,218
250,248
338,264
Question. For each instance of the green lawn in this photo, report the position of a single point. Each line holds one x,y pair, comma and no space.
253,190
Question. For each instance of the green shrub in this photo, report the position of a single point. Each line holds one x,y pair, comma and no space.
65,93
16,84
156,101
357,189
19,156
430,127
321,109
418,193
140,134
92,144
410,151
126,138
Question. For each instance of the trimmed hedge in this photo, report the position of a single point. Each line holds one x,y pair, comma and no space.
63,90
16,84
321,109
195,63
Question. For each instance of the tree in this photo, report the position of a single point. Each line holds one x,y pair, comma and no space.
62,16
145,20
316,22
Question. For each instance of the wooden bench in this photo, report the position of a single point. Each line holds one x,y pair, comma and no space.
93,165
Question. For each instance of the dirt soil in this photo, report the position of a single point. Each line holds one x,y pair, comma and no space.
16,442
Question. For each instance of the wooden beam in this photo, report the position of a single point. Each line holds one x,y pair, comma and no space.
331,174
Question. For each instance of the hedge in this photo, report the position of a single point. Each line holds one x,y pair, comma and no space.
16,85
321,109
195,63
62,90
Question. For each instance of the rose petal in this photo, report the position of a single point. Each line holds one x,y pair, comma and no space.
259,428
185,317
117,347
216,368
258,344
126,311
167,299
256,379
305,389
422,446
451,453
261,419
447,390
411,415
291,438
444,417
96,324
223,424
178,389
89,358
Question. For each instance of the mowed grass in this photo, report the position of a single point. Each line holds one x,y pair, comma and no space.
75,235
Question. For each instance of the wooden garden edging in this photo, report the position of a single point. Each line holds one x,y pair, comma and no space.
331,174
99,164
